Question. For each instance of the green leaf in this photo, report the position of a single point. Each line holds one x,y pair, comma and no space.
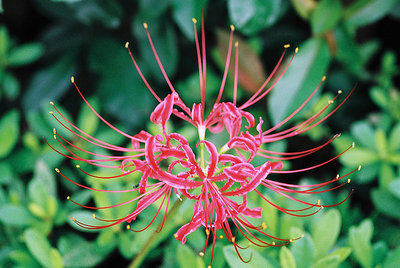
87,120
394,188
393,260
50,83
9,132
394,140
342,253
119,82
187,257
326,16
15,215
379,253
77,252
330,261
381,142
302,77
365,12
256,259
386,175
251,16
11,86
304,7
364,134
326,231
40,247
386,203
286,258
348,52
304,251
25,54
360,241
184,11
357,156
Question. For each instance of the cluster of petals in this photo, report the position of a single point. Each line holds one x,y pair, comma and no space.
217,180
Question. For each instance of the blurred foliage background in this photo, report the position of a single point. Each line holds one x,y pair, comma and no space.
43,43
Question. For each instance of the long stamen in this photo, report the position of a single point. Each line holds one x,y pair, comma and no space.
235,82
158,58
227,63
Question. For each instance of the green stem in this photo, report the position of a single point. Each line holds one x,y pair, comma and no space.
137,261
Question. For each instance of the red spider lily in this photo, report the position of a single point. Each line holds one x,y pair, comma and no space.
218,186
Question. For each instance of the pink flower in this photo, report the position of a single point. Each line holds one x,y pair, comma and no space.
218,186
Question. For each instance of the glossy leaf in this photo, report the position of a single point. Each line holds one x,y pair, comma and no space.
304,251
251,16
257,260
9,132
87,120
326,16
40,247
364,12
15,215
394,188
326,231
330,261
184,11
364,134
307,69
386,203
286,258
116,85
360,241
25,54
187,258
49,84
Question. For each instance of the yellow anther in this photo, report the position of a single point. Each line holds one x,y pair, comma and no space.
145,25
233,239
359,167
207,232
78,166
94,216
236,44
221,236
232,27
286,46
296,50
290,240
50,112
209,266
72,79
337,176
323,78
348,180
264,225
51,103
194,20
54,131
339,92
72,218
126,44
57,170
322,207
68,197
201,254
55,137
175,235
128,227
302,235
353,144
330,102
319,202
